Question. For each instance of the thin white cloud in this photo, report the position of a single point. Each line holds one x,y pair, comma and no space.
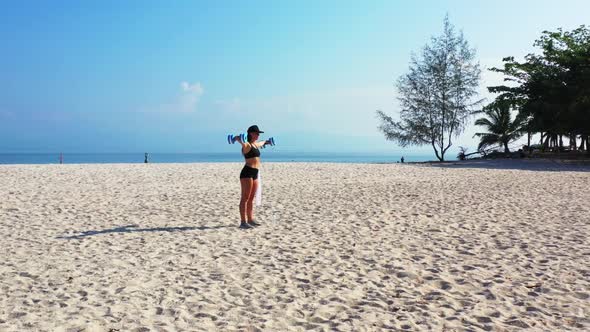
340,110
186,100
194,88
189,98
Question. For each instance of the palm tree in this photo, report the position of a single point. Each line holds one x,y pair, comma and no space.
501,129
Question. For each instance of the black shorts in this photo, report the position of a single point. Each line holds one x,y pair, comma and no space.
249,172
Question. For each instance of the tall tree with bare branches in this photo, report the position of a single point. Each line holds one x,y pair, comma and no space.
436,95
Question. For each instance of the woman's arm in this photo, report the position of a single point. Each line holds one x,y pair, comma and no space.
245,145
260,144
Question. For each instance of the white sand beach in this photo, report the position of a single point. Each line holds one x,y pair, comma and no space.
343,247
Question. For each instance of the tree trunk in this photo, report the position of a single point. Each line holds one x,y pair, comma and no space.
506,149
528,135
529,142
582,140
436,152
546,144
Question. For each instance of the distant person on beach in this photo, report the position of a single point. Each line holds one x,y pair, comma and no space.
249,176
403,159
145,161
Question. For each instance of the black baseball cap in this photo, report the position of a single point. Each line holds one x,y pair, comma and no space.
254,129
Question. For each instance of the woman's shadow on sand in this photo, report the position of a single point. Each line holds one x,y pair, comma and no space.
134,229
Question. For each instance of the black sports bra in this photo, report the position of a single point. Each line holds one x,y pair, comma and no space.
254,152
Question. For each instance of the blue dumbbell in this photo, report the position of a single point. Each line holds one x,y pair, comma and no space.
270,141
231,139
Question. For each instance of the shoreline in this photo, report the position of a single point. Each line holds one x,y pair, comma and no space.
533,164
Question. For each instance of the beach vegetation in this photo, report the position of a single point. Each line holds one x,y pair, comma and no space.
437,95
551,90
500,128
462,155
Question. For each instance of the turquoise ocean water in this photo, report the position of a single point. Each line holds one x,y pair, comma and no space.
270,156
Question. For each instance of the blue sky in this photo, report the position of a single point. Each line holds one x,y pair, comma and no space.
178,76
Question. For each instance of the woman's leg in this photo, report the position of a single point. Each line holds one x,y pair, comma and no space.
246,184
250,202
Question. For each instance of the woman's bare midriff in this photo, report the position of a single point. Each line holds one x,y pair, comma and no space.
253,162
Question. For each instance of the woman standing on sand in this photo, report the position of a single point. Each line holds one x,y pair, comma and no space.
249,176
